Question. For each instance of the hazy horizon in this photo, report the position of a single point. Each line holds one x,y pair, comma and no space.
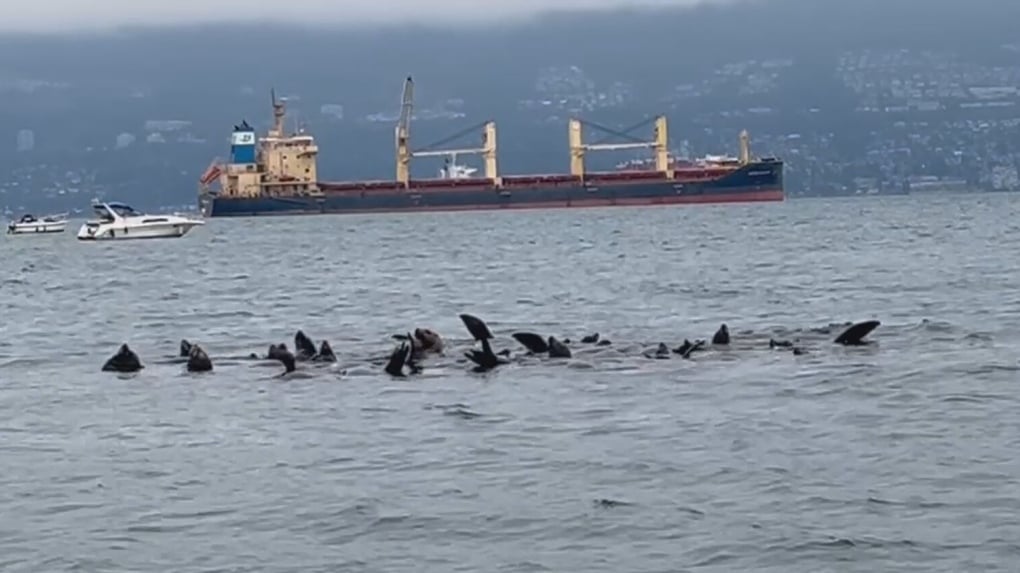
56,16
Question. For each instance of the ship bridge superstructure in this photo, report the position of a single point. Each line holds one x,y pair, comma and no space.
279,164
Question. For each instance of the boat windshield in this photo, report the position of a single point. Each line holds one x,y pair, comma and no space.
27,219
121,209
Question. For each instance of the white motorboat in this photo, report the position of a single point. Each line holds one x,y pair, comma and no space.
29,224
120,221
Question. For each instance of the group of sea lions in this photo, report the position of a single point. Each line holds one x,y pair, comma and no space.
414,346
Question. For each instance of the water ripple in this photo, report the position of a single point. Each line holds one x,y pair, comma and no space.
896,457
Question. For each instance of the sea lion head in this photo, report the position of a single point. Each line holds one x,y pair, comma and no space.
428,339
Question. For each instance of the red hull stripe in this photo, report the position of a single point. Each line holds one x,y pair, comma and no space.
707,199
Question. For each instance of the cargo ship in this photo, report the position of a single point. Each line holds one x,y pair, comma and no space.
277,175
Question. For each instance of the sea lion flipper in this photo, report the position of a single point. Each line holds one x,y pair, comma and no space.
533,342
854,335
395,364
476,326
125,360
325,353
303,346
475,356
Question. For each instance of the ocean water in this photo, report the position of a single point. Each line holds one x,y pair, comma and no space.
897,456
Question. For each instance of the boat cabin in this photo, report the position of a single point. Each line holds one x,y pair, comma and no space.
107,211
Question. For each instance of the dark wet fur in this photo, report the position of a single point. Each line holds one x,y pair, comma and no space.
660,353
721,336
558,349
125,360
185,349
427,340
198,360
286,357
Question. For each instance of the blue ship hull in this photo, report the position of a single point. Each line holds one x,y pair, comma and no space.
756,182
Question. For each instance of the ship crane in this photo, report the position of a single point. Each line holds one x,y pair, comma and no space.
403,142
660,144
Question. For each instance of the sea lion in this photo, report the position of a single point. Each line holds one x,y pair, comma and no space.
854,335
590,339
484,359
660,353
687,348
721,336
281,353
198,360
271,353
125,360
423,342
185,348
558,349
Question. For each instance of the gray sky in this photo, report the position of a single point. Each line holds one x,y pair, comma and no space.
60,15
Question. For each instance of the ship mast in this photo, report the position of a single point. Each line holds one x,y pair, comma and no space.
279,112
403,132
404,153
